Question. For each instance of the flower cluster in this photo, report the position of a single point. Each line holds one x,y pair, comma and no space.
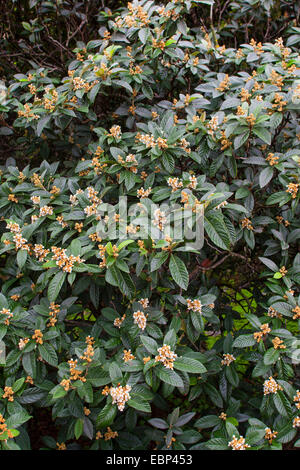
194,305
166,356
20,242
273,313
175,183
54,310
40,252
127,356
227,359
89,351
46,210
22,343
38,336
64,261
4,429
144,302
108,435
224,84
296,422
272,159
238,443
265,329
27,112
270,435
293,189
212,125
118,321
8,314
120,395
115,131
296,312
246,223
143,193
221,205
159,219
297,399
75,374
8,393
146,139
278,343
140,319
271,386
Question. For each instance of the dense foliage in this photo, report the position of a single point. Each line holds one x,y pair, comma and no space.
140,342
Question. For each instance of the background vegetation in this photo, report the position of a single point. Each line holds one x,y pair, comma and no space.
135,344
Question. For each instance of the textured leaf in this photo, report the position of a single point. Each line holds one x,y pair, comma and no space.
168,376
55,285
189,365
179,272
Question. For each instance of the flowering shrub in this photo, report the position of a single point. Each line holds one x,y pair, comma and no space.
123,333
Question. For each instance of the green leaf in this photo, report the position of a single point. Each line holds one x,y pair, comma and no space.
55,285
271,356
158,423
143,35
179,272
33,395
214,395
132,366
97,376
75,247
208,421
124,244
269,263
106,416
129,180
168,162
240,140
278,198
21,258
170,338
12,357
265,176
282,404
150,344
243,341
188,364
48,353
17,419
158,260
78,428
217,443
115,372
123,84
18,384
263,134
254,435
42,122
3,330
120,279
216,230
232,375
139,404
58,392
168,376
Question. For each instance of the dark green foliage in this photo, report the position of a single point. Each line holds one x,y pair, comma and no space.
162,102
